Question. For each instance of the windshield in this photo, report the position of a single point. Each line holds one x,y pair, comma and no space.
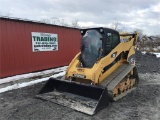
90,46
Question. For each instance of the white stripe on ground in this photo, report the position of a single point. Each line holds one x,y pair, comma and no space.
21,85
156,53
29,75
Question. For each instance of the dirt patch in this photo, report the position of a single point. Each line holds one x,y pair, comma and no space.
141,104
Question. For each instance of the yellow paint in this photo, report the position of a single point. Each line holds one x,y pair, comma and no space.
96,74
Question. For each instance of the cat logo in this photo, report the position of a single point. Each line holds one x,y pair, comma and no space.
79,76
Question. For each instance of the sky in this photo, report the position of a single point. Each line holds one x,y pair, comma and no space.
128,14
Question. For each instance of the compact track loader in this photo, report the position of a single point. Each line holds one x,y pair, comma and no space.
103,71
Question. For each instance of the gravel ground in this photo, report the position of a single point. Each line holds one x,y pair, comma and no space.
147,63
141,104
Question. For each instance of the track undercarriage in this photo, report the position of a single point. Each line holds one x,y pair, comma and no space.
121,82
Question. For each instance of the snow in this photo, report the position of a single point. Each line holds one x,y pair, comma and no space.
62,71
21,85
157,54
29,75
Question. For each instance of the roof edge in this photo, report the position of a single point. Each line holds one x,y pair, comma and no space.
33,21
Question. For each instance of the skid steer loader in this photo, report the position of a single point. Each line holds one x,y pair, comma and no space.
102,72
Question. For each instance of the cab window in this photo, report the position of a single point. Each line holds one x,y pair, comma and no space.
111,42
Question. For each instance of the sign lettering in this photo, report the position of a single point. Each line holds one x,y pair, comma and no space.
44,42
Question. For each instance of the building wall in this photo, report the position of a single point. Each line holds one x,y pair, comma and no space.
16,56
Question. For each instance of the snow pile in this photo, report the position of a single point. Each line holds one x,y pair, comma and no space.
155,53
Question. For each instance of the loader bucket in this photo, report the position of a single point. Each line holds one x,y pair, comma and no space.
85,98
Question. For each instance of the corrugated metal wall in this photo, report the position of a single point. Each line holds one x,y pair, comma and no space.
16,56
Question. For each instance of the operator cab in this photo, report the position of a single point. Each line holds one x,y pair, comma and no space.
97,43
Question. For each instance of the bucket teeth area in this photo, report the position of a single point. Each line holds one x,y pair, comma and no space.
76,102
88,99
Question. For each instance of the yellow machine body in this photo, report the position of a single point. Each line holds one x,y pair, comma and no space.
96,74
103,71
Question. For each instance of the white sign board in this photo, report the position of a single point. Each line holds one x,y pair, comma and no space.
44,41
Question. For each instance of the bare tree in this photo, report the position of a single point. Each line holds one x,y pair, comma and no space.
140,31
8,14
75,24
115,24
58,21
61,22
55,21
45,21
